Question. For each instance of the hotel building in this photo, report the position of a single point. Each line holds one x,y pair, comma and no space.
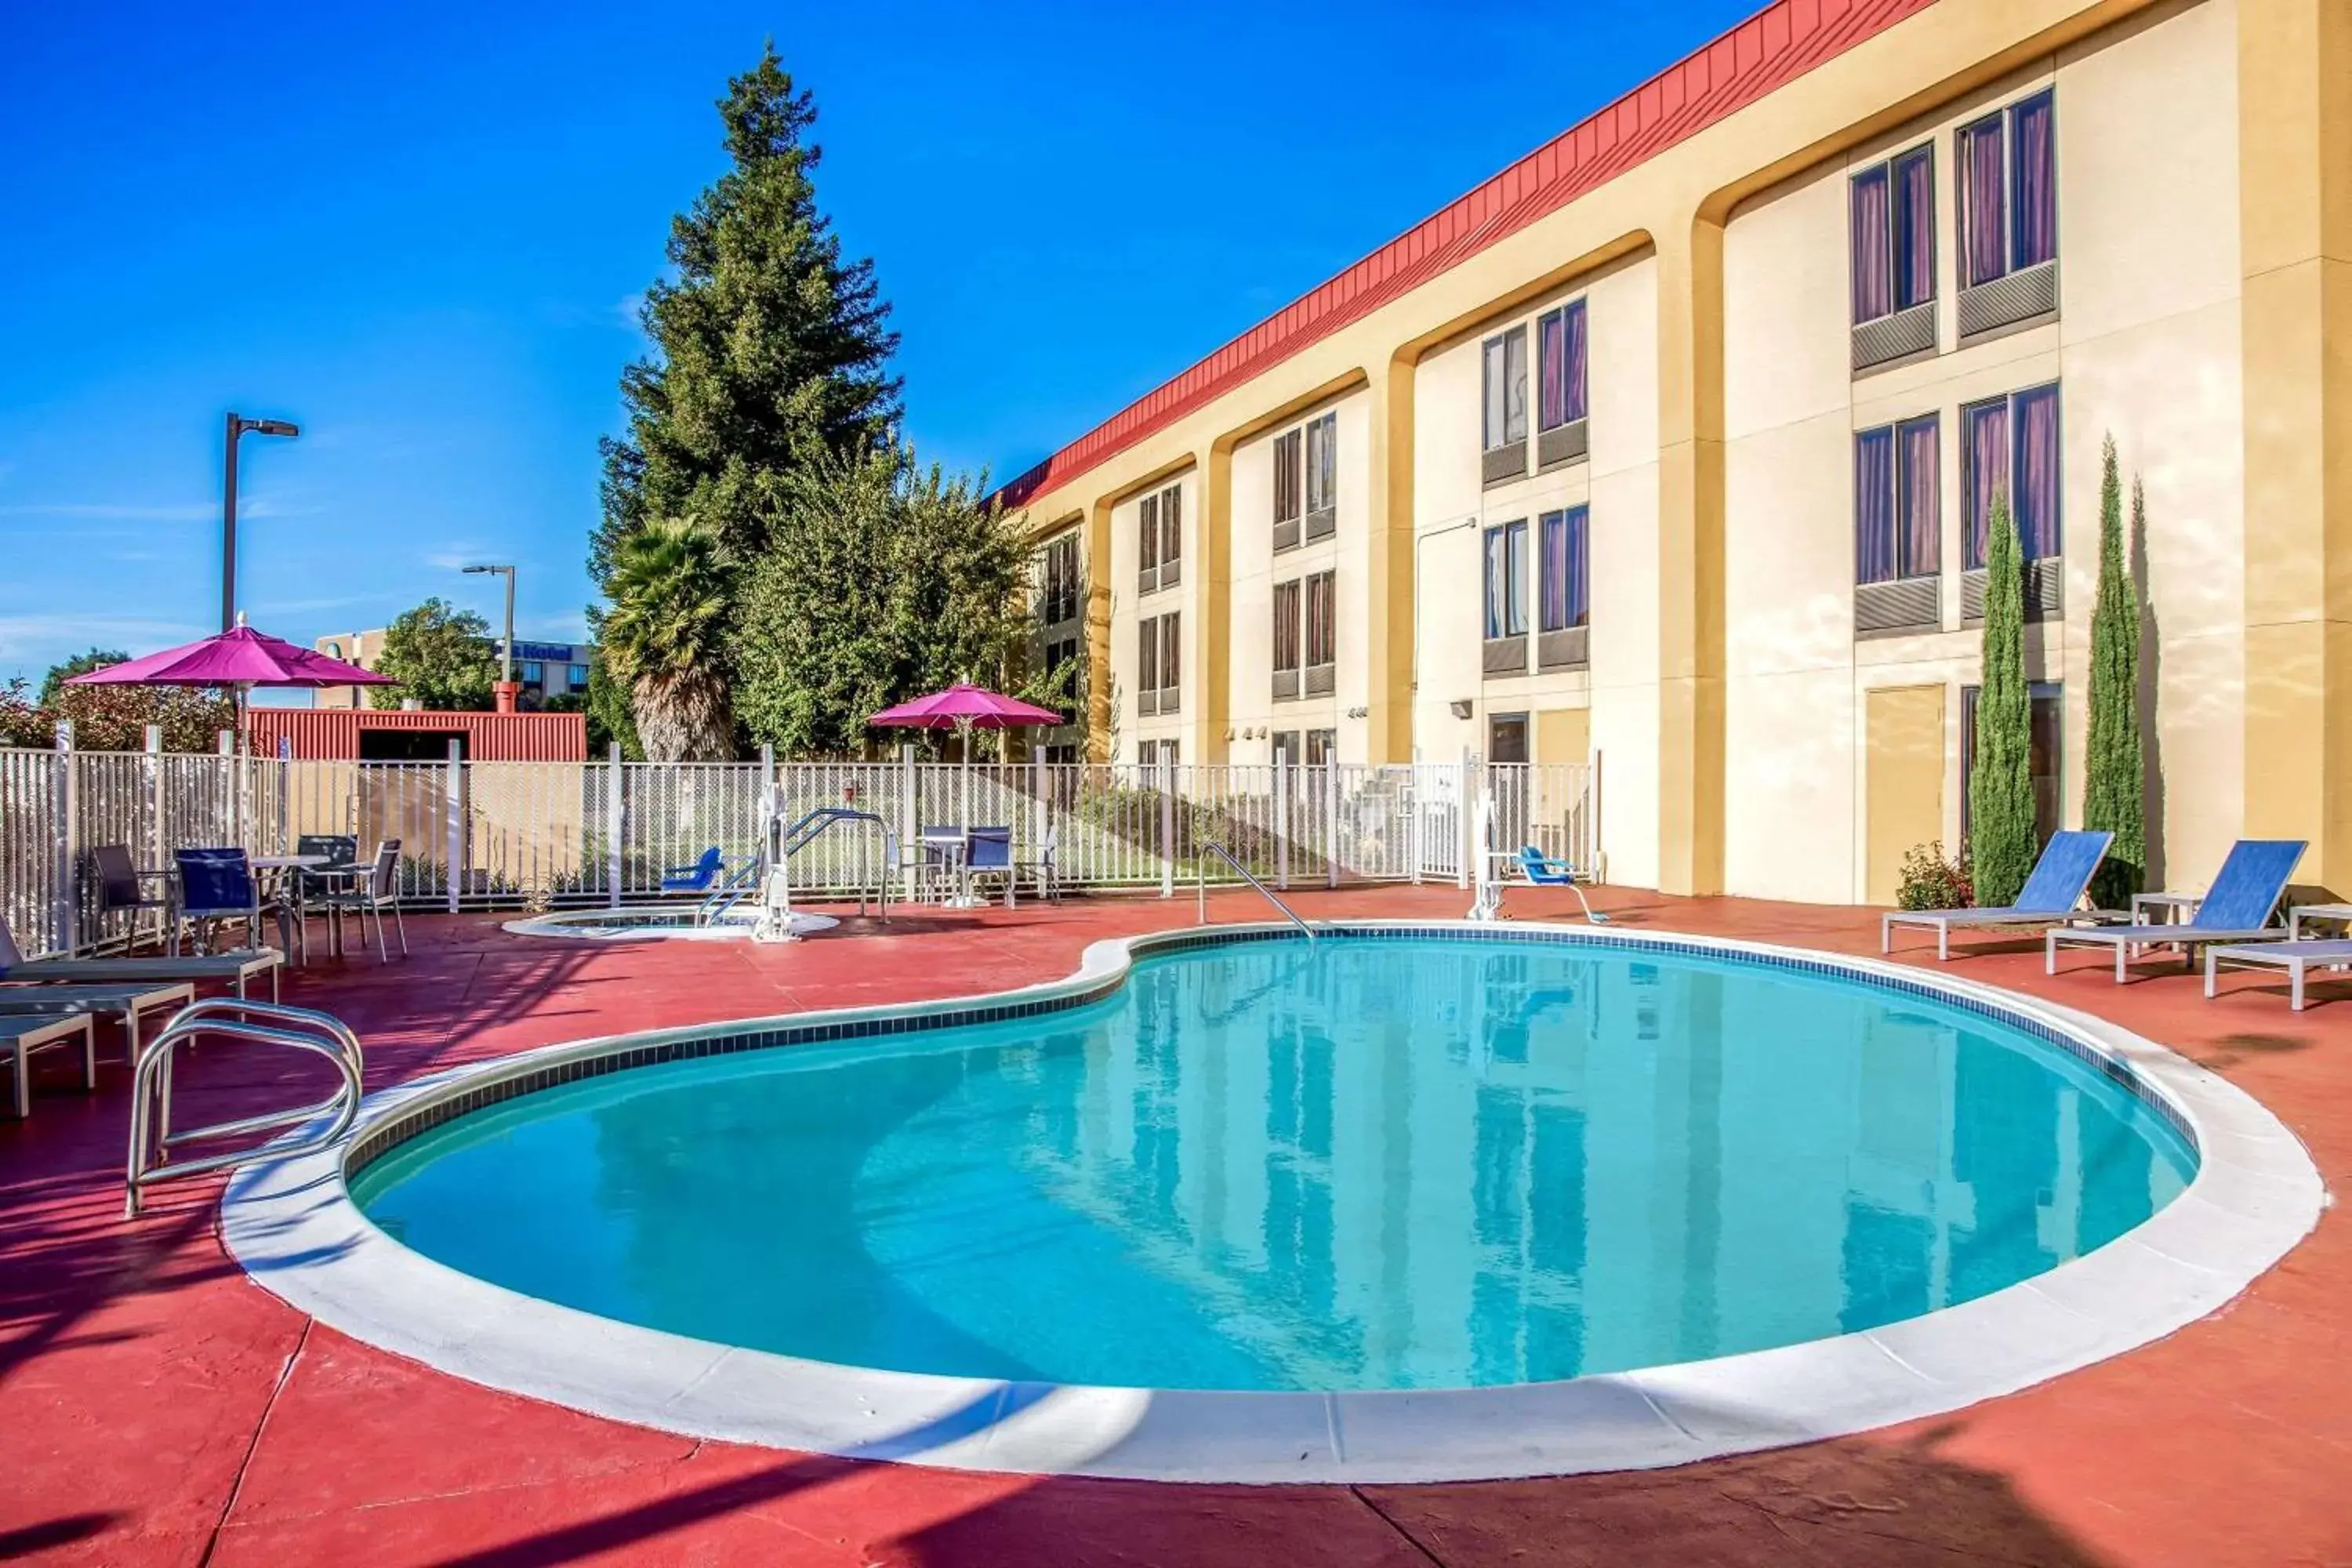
1672,446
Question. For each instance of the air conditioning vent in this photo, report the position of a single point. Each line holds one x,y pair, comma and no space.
1504,464
1285,535
1286,685
1567,443
1567,649
1895,337
1318,679
2045,592
1910,604
1323,524
2006,302
1505,655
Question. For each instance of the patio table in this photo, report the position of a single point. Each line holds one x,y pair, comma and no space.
954,845
289,896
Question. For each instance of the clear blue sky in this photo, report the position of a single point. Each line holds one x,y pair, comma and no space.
424,239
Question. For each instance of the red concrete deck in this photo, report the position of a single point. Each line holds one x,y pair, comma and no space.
155,1407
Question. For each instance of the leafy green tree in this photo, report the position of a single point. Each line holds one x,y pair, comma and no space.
769,348
883,581
79,664
441,655
2002,840
662,637
2115,781
609,719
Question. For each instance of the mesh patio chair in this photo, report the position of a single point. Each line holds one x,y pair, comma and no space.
121,886
370,892
216,886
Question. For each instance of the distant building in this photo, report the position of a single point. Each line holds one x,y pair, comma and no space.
544,669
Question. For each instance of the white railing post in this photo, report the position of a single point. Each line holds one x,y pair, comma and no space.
1330,824
1167,773
1598,872
1040,820
910,849
615,820
1281,827
454,820
158,846
63,895
1417,832
1465,830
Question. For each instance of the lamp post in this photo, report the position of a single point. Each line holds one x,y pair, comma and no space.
507,689
239,425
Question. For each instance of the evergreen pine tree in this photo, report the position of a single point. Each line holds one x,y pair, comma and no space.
769,351
2003,843
2114,783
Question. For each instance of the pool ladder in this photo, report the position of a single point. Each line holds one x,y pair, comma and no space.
252,1022
1201,888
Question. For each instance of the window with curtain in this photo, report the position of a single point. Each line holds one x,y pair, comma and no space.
1507,580
2009,446
1146,532
1564,578
1322,619
1897,506
1147,656
1322,748
1560,367
1171,523
1892,209
1505,371
1171,661
2008,190
1287,486
1061,579
1286,626
1323,463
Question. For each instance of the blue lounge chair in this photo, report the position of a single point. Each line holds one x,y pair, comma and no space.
218,885
2049,895
696,878
2238,910
991,854
1542,872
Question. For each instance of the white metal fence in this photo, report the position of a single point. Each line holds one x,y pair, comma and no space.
477,835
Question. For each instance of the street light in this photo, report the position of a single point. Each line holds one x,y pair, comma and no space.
239,425
506,655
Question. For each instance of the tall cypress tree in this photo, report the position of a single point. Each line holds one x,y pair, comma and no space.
769,348
2114,783
2002,844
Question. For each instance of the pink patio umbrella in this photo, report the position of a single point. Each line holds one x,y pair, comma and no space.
964,708
240,660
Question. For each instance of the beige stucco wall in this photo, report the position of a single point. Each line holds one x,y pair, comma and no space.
1726,691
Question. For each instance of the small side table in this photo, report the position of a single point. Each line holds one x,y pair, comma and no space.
2176,907
2341,913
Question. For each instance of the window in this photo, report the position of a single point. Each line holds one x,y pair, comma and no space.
1322,633
1156,753
1506,389
1507,738
2044,753
1284,749
1561,363
1286,640
1897,510
1289,486
575,675
1061,602
534,673
1158,664
1172,534
1062,677
1322,475
2008,447
1146,540
1893,211
2009,191
1322,748
1506,581
1566,583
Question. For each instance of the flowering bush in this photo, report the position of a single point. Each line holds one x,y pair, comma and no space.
1929,881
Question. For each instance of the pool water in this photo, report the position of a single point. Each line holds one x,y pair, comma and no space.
1371,1163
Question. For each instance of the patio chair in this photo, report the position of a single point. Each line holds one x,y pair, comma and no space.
370,893
218,885
2237,908
2298,958
696,878
2049,898
991,854
121,886
21,1037
235,968
1542,872
1044,876
944,850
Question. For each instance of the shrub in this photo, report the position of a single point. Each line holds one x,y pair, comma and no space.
1929,881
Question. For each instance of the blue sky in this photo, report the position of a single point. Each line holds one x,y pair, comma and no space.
422,232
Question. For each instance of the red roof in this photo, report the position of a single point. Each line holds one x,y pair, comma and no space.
1777,45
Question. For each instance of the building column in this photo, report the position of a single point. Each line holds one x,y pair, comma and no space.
2295,160
1210,597
1097,566
1690,558
1389,566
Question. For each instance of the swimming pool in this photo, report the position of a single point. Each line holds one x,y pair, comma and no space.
1405,1204
1432,1163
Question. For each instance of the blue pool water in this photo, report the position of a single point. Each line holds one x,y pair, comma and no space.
1432,1163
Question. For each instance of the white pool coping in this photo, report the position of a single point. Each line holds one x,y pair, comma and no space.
291,1223
641,923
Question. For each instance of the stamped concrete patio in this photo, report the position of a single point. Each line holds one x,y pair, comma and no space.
157,1407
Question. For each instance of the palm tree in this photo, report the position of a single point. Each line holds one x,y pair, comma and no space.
661,639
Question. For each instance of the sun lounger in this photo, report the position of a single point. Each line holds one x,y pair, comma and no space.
2296,958
232,968
2049,894
21,1037
2238,910
130,1003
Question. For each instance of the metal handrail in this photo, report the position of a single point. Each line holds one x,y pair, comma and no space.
257,1022
1201,886
813,825
740,884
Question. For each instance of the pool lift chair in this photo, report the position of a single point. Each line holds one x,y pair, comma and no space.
1493,866
770,873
